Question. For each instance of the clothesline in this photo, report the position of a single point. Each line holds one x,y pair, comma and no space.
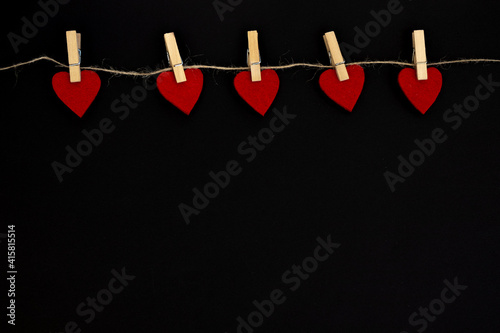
229,68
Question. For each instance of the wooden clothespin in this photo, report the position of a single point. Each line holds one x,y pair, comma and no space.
419,56
336,59
253,55
174,57
74,42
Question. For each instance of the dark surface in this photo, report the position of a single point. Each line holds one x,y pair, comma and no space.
322,175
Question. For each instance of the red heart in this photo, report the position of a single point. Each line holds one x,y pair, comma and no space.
344,93
259,95
182,95
423,93
77,96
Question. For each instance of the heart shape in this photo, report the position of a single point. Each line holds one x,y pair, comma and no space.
79,95
422,94
344,93
182,95
259,95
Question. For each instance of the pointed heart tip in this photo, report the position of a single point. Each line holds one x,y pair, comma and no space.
185,95
422,94
77,96
261,112
258,95
344,93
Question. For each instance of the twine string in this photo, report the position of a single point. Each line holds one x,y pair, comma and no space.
227,68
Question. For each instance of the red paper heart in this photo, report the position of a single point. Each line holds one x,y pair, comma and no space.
182,95
344,93
77,96
422,94
259,95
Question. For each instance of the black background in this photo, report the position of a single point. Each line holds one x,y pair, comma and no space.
323,175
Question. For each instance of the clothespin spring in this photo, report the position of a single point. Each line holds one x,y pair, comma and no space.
79,59
337,64
254,63
418,62
175,65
